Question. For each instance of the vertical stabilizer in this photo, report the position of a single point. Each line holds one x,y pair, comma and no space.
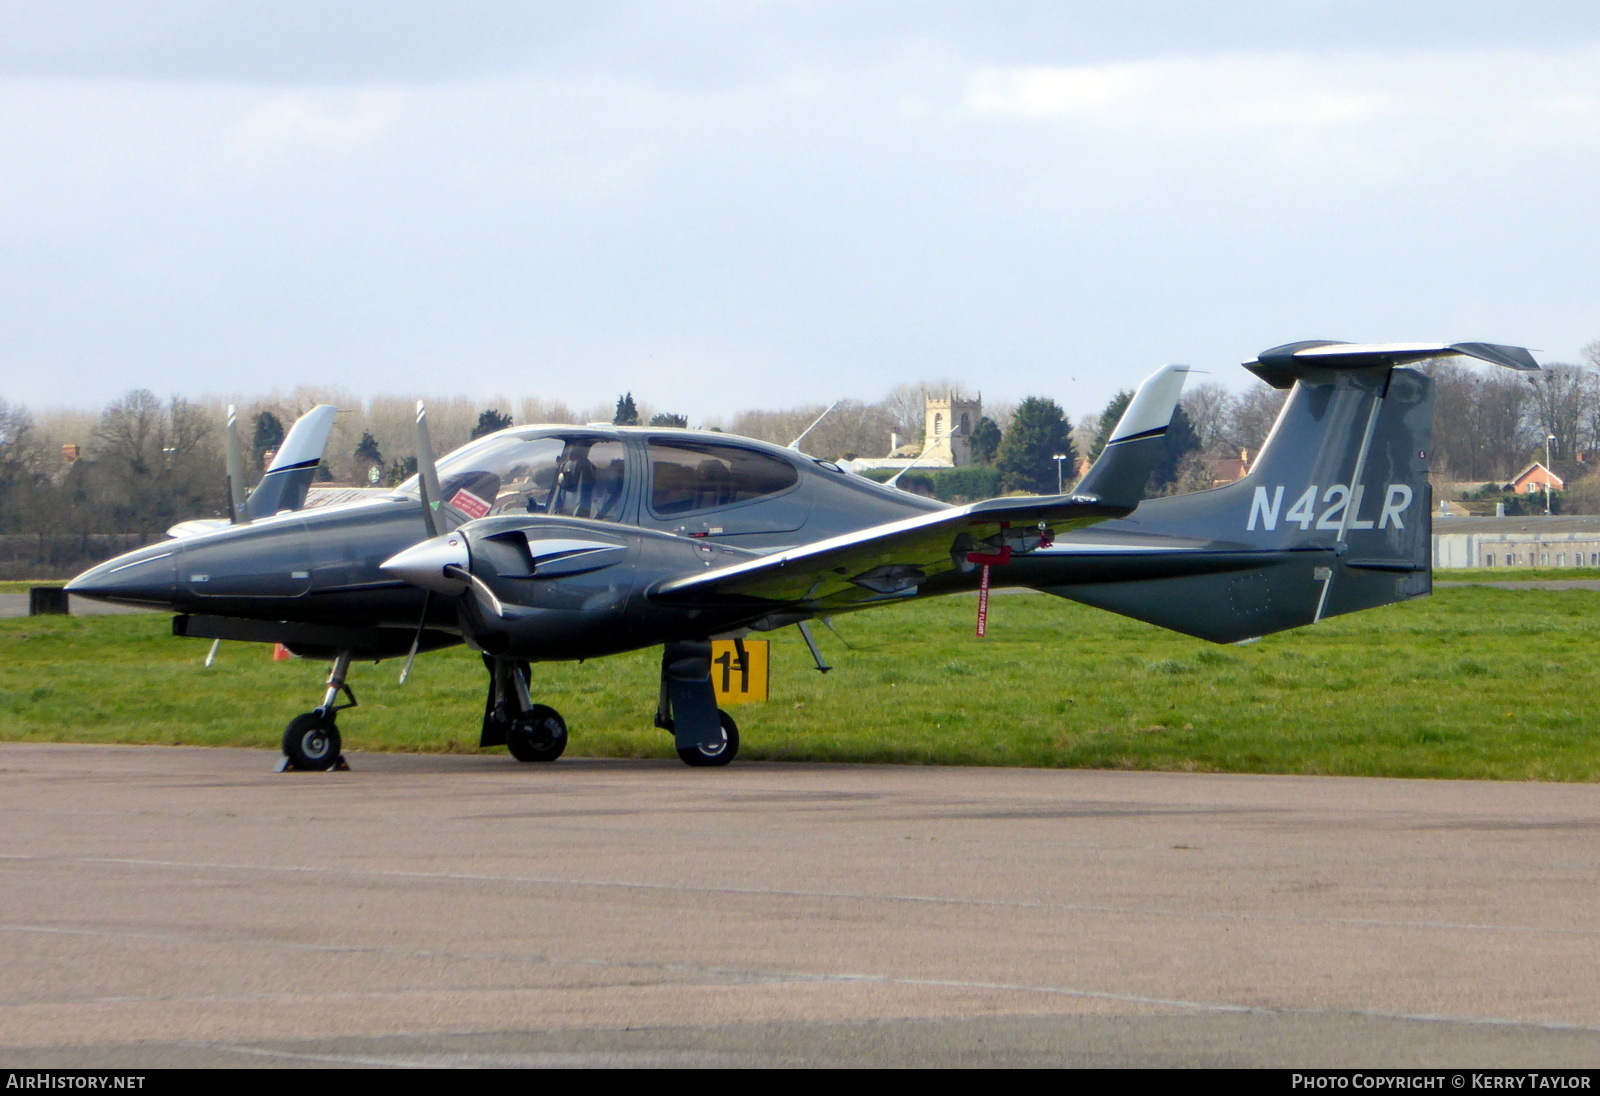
1334,517
289,476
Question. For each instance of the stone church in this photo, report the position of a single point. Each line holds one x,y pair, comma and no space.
947,431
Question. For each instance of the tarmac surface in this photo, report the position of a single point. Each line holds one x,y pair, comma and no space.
16,605
188,907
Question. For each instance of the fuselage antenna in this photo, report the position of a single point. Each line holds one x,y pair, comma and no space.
926,449
795,445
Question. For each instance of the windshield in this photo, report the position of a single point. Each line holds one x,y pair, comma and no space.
572,475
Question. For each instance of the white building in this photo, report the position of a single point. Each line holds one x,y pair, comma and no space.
1558,541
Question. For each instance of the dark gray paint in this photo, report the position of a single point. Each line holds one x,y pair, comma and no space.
837,543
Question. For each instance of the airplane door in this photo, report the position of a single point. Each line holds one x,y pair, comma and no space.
722,490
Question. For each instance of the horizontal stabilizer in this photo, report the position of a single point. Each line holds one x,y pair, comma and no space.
1319,359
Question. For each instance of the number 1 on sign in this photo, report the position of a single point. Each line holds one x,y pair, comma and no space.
739,670
730,666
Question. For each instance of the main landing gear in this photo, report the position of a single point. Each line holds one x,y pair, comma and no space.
705,735
532,732
311,741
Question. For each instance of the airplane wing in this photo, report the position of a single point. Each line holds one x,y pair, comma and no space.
892,561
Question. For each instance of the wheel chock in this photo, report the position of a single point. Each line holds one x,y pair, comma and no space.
284,765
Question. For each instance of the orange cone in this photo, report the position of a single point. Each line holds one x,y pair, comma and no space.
280,653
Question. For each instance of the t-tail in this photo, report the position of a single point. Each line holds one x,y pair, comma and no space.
1335,515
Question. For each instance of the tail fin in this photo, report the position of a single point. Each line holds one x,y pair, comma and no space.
1124,465
289,476
1334,517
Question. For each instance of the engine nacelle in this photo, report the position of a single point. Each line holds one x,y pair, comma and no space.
531,587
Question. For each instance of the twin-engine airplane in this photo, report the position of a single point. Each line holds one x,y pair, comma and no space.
546,543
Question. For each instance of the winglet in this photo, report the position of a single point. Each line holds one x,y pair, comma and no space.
1119,473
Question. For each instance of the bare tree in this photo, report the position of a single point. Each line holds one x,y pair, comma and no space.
152,465
1480,421
1561,405
1210,409
20,465
533,409
1253,413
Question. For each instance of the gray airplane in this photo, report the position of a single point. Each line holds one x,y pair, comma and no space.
550,543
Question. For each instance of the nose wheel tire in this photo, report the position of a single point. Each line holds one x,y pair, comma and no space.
701,757
311,742
538,734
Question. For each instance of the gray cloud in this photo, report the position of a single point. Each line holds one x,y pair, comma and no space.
722,205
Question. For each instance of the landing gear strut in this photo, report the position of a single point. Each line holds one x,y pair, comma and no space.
532,732
311,741
705,735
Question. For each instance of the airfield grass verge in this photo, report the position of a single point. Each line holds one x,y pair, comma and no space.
22,585
1514,574
1473,682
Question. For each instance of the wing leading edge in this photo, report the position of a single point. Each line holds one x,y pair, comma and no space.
894,560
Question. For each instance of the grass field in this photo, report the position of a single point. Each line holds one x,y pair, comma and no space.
1473,682
1513,574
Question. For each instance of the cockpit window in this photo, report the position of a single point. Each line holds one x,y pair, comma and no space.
573,476
689,476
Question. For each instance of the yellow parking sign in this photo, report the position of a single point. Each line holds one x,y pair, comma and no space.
739,670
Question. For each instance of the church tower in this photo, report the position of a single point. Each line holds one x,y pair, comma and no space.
949,426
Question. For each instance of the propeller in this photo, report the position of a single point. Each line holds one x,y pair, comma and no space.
416,640
443,564
479,587
427,472
428,488
236,496
447,573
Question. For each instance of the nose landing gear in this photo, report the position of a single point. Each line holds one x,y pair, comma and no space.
538,734
311,740
531,732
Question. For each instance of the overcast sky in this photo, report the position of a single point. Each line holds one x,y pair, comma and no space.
740,203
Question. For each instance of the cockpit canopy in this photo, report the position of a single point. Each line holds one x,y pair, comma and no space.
583,475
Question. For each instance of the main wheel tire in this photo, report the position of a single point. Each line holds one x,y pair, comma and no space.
311,742
702,758
539,734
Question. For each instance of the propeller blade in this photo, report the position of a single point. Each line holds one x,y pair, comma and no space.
480,587
211,656
427,472
236,495
416,640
